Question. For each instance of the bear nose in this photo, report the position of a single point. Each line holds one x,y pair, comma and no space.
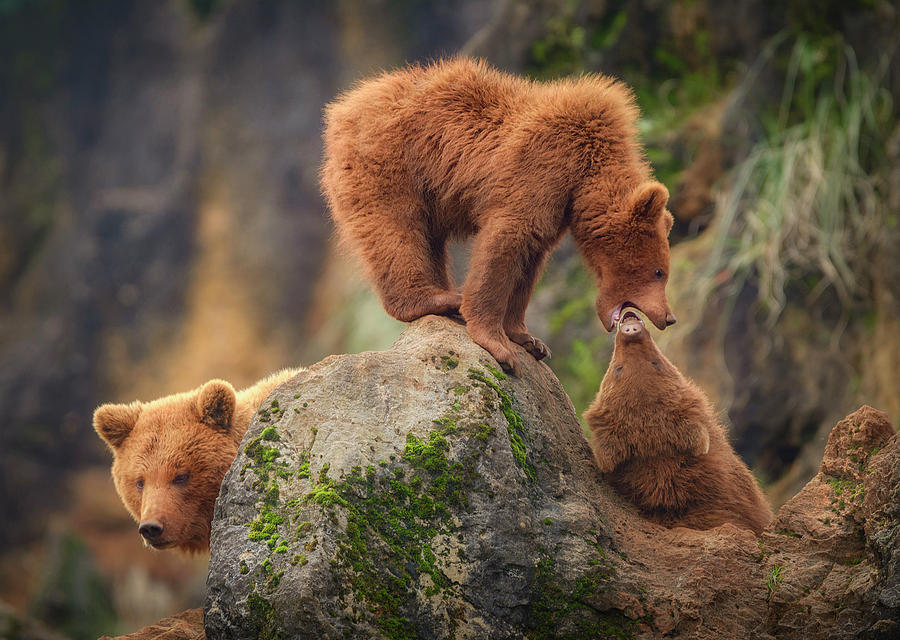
670,319
150,530
631,328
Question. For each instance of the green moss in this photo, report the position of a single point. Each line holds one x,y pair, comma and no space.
448,363
272,495
845,491
325,496
555,606
497,373
517,433
548,521
244,568
266,525
303,467
299,560
263,458
393,514
484,431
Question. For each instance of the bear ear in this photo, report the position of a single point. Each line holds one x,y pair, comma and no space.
216,404
648,201
114,422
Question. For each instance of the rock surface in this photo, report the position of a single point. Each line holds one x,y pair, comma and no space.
418,492
187,625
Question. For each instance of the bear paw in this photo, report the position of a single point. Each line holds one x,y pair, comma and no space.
532,345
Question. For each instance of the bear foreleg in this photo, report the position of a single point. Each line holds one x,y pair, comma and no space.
504,264
514,323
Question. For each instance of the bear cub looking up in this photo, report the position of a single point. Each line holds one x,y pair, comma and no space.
170,455
656,438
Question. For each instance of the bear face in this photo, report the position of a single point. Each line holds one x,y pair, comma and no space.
169,459
632,260
637,363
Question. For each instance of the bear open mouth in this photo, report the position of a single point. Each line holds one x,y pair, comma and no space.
626,310
619,310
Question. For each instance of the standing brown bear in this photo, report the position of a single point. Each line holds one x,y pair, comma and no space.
656,437
417,156
170,455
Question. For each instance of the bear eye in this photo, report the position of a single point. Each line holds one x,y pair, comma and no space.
181,478
139,484
659,274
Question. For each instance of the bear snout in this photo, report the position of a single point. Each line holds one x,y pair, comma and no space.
151,530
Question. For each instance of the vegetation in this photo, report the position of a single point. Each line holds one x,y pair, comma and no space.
801,209
806,205
773,580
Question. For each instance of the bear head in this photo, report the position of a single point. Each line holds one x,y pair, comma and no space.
632,260
169,459
638,369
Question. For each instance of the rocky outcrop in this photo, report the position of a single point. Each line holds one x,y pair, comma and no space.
187,625
419,492
833,552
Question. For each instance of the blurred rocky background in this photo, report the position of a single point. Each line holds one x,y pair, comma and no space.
161,224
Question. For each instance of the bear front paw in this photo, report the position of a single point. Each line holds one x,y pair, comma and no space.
532,345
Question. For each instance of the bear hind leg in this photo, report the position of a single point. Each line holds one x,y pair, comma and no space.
410,272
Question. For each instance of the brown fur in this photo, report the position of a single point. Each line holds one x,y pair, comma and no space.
420,155
657,439
179,447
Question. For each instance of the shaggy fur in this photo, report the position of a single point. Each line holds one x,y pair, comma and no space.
170,455
657,439
417,156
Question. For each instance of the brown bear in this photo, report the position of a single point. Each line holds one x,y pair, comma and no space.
170,456
420,155
656,438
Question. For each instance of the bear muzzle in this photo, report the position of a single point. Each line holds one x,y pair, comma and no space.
151,530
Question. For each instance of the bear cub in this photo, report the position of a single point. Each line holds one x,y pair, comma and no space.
171,455
656,438
457,149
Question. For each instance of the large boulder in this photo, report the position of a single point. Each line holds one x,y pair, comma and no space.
420,492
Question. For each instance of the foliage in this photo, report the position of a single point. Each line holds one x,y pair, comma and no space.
773,580
806,205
